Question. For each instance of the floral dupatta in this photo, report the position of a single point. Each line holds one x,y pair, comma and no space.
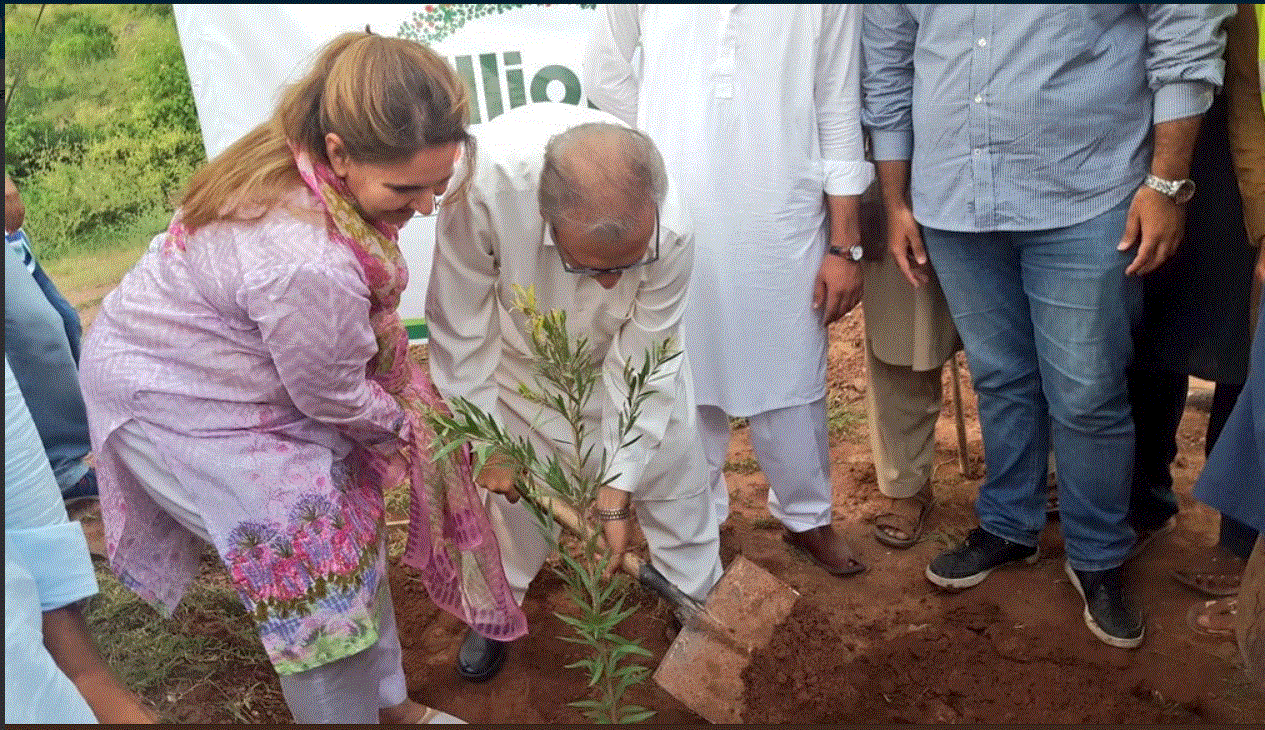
450,541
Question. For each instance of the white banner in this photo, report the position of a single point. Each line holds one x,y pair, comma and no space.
240,56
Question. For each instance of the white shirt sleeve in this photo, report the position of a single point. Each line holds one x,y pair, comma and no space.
656,315
462,311
838,94
608,76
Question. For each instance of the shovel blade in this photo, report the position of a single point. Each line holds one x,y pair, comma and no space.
703,667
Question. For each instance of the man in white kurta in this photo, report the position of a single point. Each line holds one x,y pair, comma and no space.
756,111
494,238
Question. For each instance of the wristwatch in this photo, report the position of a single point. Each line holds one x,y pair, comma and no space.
852,254
1181,191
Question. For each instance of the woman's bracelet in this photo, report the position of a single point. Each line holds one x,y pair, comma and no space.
610,515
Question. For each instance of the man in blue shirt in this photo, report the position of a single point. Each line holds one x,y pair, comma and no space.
1044,151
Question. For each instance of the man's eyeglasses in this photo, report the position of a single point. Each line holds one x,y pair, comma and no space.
586,271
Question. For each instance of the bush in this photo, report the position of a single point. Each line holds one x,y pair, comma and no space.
102,130
81,39
118,179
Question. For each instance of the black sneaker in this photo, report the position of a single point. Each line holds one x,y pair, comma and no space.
1108,612
970,563
84,489
480,658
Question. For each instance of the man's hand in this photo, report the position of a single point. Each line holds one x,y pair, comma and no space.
904,243
615,531
838,287
1156,224
497,476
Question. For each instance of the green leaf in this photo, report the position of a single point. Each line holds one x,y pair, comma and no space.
636,714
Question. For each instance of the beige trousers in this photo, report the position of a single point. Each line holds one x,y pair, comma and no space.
902,406
909,335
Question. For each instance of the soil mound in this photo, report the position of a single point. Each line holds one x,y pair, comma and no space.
971,666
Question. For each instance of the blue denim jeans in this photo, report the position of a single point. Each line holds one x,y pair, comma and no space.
38,347
1046,318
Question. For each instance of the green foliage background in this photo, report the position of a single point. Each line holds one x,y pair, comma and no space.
101,132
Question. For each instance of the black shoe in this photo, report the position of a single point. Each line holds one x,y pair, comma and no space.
85,488
970,563
480,658
1108,613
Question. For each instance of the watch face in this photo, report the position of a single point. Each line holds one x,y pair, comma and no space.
1185,191
856,252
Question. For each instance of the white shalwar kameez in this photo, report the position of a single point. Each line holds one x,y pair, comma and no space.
756,111
494,238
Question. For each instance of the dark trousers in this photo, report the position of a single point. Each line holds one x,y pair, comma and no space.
1158,398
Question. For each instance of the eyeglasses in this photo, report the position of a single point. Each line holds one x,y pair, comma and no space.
587,271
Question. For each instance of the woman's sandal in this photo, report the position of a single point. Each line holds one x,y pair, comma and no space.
1214,619
890,522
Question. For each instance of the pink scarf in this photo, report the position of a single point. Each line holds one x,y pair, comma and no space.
450,541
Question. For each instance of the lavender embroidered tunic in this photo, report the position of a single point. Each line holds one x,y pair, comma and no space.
242,356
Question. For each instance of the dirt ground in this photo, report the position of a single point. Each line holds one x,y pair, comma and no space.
884,646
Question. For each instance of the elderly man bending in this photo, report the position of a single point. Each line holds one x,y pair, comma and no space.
573,203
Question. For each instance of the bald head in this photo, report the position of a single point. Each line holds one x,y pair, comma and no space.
602,177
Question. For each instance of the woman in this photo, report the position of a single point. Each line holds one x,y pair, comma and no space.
248,384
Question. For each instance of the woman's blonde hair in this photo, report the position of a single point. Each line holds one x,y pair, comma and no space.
386,98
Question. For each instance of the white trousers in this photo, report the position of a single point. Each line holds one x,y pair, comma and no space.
792,447
349,690
682,534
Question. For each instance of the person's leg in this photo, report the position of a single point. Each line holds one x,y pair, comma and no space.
982,282
902,406
1083,310
343,691
684,541
40,355
713,427
793,449
1235,537
1083,307
69,316
524,546
1250,629
1157,399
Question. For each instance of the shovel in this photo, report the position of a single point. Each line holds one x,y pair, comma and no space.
703,667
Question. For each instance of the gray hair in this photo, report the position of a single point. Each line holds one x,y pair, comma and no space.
601,175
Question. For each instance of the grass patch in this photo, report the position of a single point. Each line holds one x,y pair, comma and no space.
842,419
947,537
743,466
104,261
